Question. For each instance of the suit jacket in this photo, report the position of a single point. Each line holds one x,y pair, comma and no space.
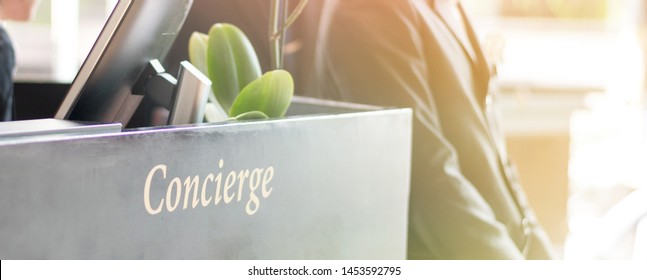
465,201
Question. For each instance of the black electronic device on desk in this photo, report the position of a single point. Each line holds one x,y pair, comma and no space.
122,68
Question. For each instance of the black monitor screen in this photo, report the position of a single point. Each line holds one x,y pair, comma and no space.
136,32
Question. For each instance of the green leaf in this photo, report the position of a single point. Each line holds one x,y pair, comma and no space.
198,51
231,62
253,115
270,94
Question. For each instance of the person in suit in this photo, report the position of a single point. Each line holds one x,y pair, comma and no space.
19,10
465,202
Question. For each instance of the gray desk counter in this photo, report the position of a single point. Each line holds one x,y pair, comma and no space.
330,185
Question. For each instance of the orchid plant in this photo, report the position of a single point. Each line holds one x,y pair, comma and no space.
239,91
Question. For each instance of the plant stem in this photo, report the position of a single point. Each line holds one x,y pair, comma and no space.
277,32
297,12
279,24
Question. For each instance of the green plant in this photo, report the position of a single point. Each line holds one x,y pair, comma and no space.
228,58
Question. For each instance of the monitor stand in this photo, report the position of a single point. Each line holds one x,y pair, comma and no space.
184,97
190,98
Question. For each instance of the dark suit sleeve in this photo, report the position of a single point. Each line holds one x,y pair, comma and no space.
371,52
7,64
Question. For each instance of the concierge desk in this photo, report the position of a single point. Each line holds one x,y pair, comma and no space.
330,181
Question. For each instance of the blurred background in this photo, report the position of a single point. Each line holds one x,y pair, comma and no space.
571,78
571,86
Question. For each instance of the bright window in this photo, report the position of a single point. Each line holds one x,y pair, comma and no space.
54,44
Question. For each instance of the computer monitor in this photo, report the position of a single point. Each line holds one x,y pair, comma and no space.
108,86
